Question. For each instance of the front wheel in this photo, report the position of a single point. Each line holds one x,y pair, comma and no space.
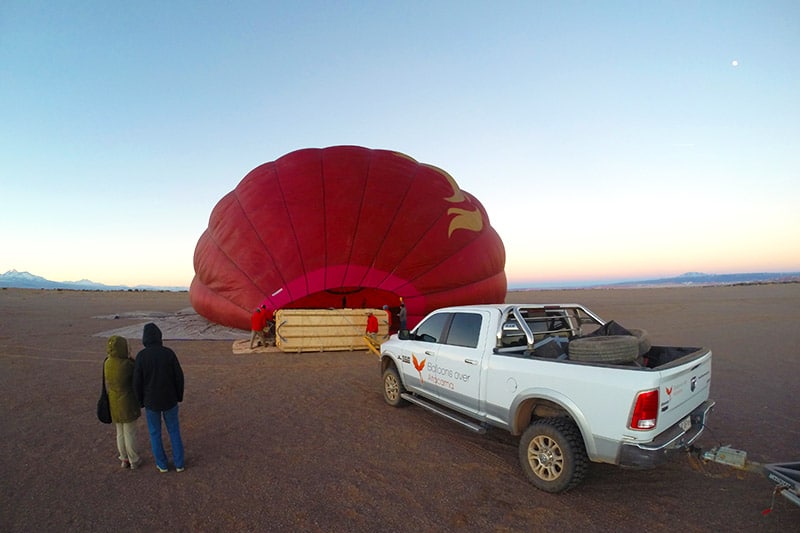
552,454
393,388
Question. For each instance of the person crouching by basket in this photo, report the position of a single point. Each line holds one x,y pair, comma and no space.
267,326
118,371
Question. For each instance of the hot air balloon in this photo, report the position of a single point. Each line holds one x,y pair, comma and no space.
345,226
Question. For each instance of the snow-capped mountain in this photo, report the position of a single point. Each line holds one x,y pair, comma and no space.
26,280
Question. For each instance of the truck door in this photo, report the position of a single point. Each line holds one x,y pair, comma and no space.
456,370
419,353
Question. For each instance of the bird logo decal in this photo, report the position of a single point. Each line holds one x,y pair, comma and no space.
419,365
470,219
465,219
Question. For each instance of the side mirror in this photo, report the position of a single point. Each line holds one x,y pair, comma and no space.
403,335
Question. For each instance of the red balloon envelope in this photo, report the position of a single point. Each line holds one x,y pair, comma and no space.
346,226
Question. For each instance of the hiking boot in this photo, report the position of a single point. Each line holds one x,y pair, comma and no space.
125,463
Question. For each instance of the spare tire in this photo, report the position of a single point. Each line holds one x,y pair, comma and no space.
644,340
609,349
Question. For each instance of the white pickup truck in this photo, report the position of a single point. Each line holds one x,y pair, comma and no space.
576,388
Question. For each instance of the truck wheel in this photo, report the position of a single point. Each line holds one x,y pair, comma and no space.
552,454
609,349
393,388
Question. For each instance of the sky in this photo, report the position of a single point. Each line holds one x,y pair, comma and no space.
607,140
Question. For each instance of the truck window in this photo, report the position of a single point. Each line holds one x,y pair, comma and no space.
431,329
537,321
543,322
465,330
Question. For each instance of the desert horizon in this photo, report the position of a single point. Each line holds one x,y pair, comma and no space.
14,279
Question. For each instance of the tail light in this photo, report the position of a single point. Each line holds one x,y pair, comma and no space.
645,410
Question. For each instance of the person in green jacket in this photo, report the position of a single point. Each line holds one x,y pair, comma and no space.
118,372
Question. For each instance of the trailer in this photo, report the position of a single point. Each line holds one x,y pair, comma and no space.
787,479
786,476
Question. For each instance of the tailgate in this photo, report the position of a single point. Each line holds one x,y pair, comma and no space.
683,387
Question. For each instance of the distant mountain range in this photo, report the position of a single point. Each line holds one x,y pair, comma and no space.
688,279
699,278
26,280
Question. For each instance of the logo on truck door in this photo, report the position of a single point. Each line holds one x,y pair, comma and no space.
439,376
419,365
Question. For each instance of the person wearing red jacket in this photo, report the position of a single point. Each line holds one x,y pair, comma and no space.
372,327
257,328
388,318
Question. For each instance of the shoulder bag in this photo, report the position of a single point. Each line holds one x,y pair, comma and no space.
103,407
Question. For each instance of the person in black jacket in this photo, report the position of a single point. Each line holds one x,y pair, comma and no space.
158,385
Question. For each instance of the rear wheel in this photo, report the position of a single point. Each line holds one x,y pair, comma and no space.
552,454
393,388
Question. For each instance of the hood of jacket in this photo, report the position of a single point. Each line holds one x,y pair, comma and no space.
151,336
117,347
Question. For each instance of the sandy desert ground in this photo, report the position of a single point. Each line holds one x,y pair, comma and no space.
279,442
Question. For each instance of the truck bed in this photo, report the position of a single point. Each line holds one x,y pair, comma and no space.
657,357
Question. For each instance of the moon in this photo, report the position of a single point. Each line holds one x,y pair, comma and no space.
735,63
